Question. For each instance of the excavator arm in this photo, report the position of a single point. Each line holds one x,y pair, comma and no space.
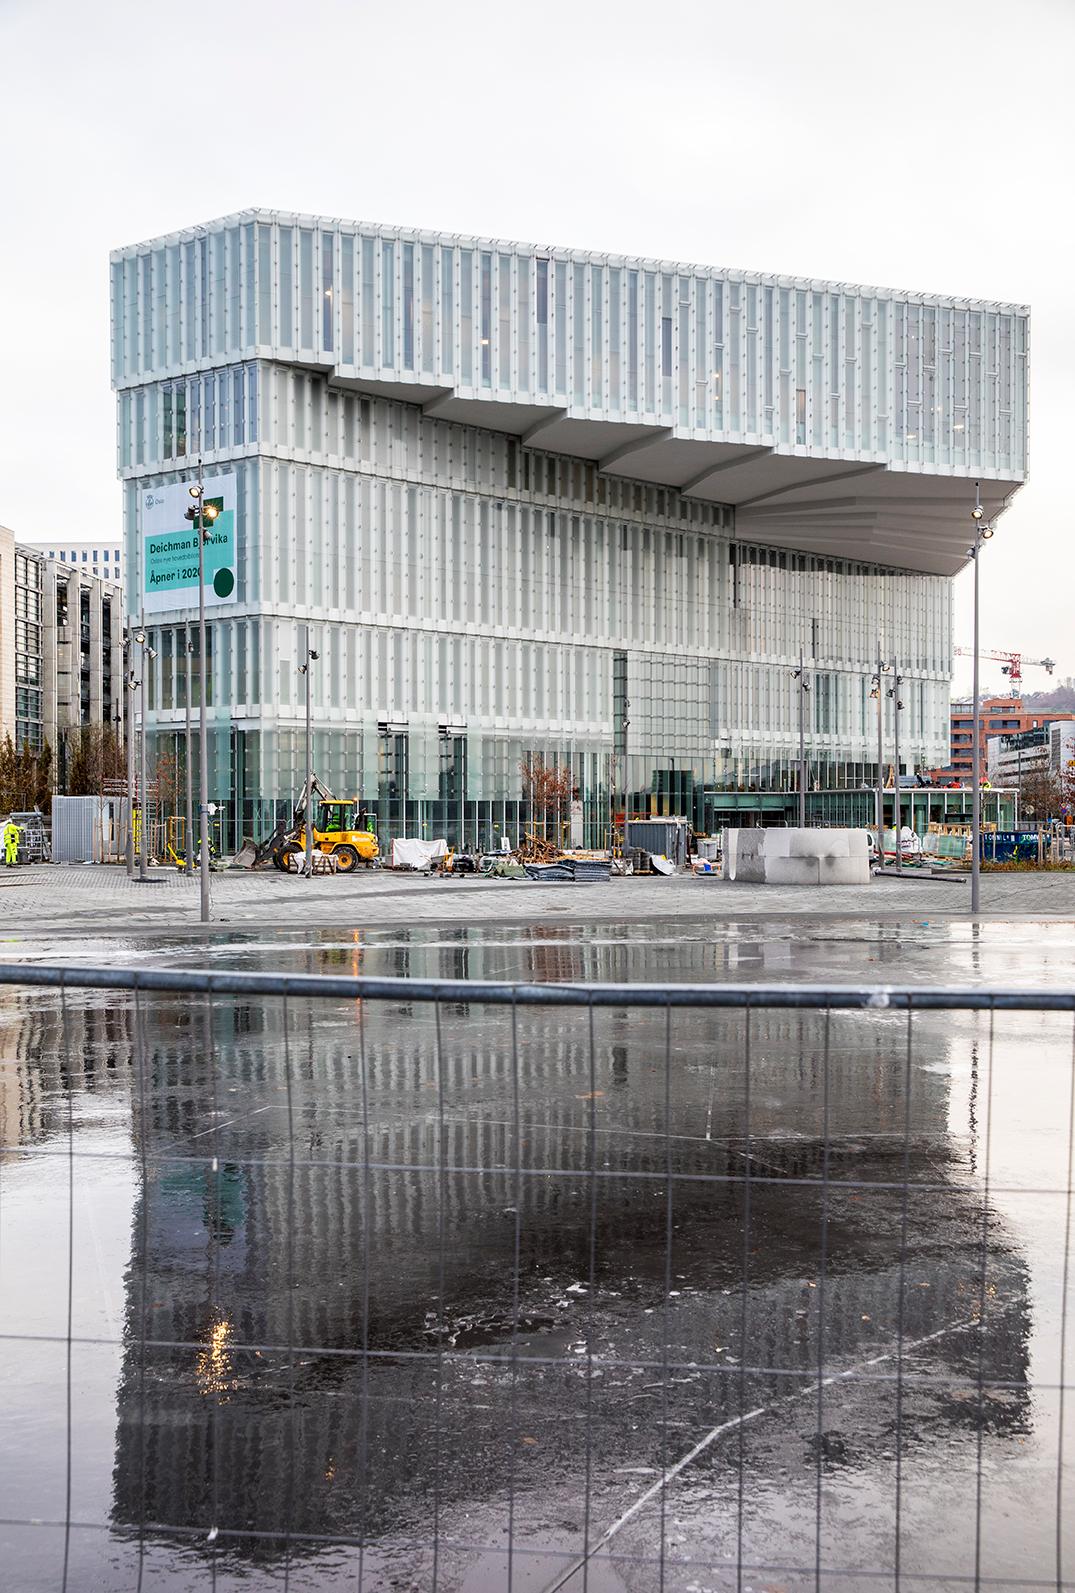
311,787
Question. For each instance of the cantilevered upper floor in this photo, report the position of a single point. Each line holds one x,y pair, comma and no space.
835,418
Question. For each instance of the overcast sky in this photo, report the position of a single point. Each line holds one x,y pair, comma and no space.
925,146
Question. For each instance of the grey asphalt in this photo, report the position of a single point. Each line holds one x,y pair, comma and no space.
75,898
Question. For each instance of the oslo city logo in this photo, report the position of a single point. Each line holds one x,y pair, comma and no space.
152,500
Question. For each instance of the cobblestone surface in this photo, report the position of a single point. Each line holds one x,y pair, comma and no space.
99,899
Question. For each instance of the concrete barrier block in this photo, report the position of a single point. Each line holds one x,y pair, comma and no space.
816,843
777,842
751,870
792,871
844,870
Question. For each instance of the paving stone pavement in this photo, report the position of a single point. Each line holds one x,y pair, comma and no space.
81,898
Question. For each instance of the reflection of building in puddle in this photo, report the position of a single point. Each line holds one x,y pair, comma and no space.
563,952
417,1253
47,1047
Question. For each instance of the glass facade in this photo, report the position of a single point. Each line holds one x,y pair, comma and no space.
847,368
481,593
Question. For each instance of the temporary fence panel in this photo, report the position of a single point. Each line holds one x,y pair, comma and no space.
88,829
461,1285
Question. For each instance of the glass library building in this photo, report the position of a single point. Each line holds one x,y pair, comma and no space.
541,506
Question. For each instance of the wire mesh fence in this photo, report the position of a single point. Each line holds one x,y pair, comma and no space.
333,1281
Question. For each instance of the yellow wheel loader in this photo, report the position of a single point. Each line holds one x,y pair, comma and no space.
342,829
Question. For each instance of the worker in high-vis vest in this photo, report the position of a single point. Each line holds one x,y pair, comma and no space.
11,843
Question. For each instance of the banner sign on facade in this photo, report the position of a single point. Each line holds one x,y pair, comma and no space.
170,546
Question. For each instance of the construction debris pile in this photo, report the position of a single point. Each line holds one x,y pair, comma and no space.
589,867
344,838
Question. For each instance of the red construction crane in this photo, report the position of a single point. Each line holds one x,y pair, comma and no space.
1013,663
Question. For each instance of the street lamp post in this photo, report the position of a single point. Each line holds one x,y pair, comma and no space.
148,653
799,675
981,534
130,683
201,516
897,707
311,657
143,784
877,692
203,735
188,826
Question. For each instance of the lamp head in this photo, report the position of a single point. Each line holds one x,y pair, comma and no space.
977,512
314,655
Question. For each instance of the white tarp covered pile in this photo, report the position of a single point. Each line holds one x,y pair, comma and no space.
417,854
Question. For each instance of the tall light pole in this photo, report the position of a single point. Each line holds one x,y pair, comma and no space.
804,686
143,776
897,708
188,826
308,815
129,685
201,516
981,534
877,692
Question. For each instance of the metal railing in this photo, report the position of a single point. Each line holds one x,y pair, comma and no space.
450,1284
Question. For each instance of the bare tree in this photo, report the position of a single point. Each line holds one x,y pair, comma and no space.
96,755
547,791
1041,795
25,777
164,781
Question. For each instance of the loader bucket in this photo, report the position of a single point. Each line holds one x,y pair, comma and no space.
246,856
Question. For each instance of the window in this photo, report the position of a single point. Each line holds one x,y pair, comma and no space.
388,308
408,306
543,325
287,306
504,322
306,288
466,313
327,291
486,318
447,267
335,816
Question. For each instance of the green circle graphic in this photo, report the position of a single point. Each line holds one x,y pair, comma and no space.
224,583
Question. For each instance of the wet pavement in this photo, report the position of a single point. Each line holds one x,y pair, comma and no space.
85,899
362,1293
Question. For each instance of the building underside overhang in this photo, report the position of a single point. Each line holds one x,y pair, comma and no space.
865,507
